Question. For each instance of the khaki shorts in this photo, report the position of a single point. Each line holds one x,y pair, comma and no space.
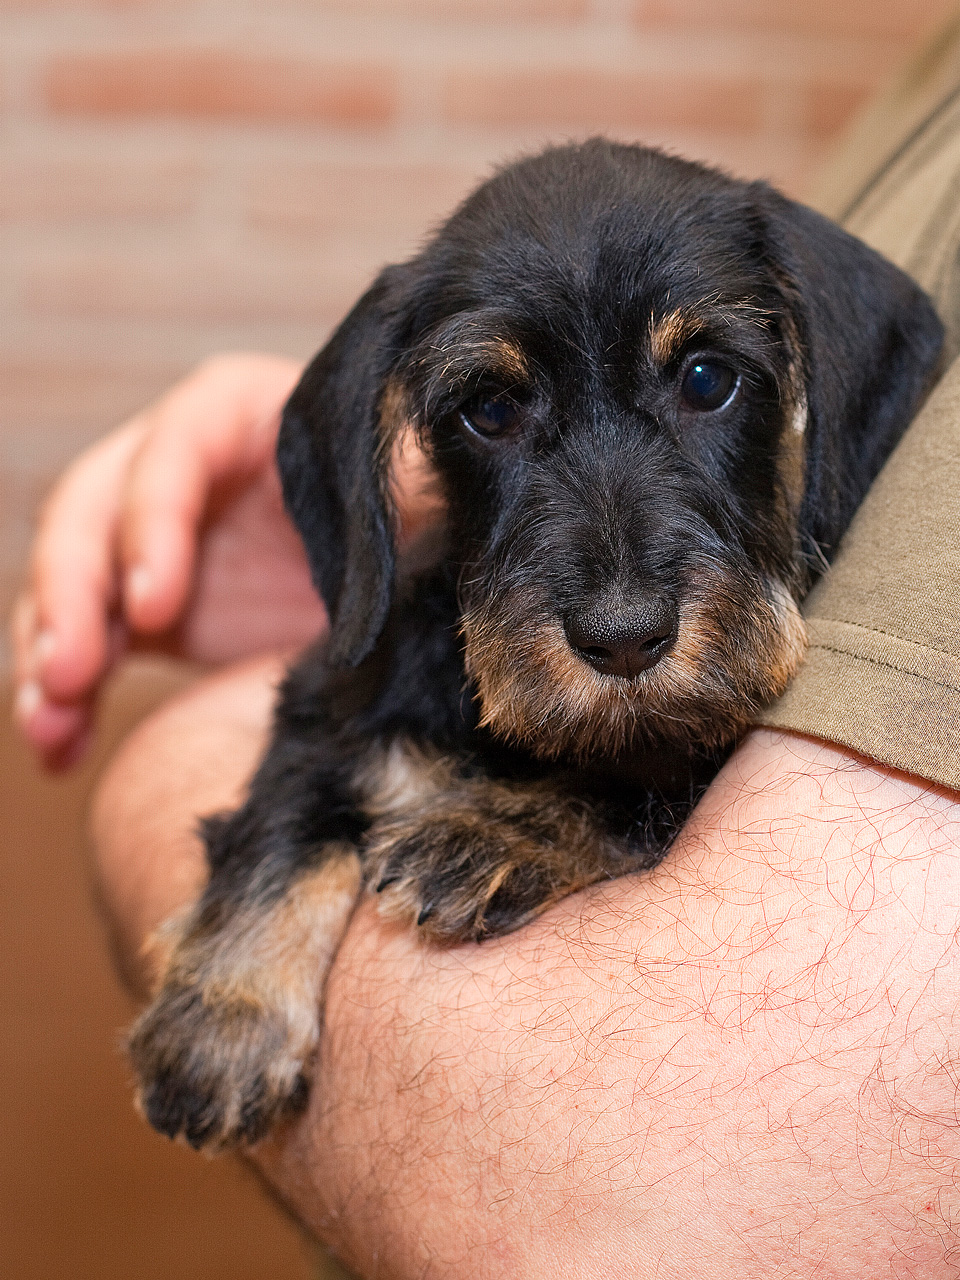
883,671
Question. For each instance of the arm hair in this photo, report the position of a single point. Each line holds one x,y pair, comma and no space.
738,1066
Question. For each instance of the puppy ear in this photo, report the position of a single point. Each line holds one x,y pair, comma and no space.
333,468
869,343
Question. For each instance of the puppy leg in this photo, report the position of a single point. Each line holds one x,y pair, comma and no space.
474,857
221,1052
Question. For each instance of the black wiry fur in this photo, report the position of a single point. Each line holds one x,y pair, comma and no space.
455,731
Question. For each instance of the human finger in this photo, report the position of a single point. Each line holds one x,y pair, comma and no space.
61,624
218,427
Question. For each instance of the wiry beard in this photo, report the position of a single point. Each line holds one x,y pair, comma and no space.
738,645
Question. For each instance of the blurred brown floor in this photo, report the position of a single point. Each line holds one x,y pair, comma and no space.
87,1191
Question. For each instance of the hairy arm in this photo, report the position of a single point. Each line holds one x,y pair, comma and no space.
741,1065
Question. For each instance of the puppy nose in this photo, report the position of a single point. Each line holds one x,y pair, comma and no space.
625,642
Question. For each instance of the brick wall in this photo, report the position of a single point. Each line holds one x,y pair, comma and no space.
182,176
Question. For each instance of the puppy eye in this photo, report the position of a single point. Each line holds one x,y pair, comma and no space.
490,415
708,385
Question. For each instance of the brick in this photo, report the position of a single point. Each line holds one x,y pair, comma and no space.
65,189
585,99
43,6
186,285
459,10
828,107
890,18
216,84
65,402
563,10
400,201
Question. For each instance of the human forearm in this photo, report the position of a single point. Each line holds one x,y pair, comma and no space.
730,1067
735,1067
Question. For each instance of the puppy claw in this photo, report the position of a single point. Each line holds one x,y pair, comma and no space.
491,861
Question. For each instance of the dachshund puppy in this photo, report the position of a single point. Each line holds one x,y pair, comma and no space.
652,398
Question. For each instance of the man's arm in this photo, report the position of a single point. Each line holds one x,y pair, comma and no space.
739,1065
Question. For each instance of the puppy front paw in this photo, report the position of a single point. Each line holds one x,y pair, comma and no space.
217,1068
488,859
222,1052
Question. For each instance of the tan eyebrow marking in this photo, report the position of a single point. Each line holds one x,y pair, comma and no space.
468,345
510,359
494,354
669,333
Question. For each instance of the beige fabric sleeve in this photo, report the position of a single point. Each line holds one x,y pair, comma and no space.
883,670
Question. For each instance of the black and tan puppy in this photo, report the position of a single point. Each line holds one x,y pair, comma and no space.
652,398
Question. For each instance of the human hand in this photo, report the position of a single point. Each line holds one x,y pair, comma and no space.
169,533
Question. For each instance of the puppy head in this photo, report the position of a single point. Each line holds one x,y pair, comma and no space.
653,397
